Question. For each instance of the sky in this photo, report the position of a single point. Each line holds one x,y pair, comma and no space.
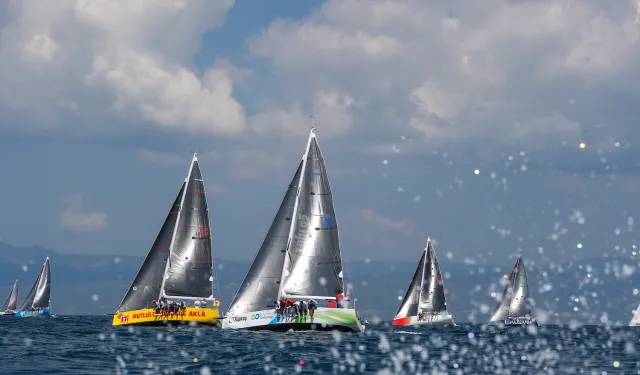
494,128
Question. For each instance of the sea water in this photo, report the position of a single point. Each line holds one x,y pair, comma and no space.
90,345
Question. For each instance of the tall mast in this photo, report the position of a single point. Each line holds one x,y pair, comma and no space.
424,265
312,134
175,227
45,262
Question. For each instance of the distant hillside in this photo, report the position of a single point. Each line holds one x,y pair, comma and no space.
601,286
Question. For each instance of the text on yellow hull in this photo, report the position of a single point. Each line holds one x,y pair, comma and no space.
208,316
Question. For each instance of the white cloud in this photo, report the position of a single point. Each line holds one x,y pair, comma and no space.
41,46
155,157
332,109
216,189
76,218
458,70
79,56
172,97
383,222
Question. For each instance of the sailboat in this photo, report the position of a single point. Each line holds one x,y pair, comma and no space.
38,301
514,308
635,321
9,306
299,260
178,266
425,302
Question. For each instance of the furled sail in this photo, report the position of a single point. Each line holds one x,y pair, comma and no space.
514,301
190,269
411,300
12,301
40,294
146,285
259,289
314,265
432,296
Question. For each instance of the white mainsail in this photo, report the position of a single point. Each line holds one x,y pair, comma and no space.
313,261
189,269
635,321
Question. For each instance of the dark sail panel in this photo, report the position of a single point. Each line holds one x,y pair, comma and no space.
28,301
43,290
315,266
190,272
432,297
410,302
12,300
260,287
146,285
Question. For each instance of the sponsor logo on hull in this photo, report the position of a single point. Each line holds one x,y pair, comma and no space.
149,315
518,321
440,319
237,319
251,317
339,317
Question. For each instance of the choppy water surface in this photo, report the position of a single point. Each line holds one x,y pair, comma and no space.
89,345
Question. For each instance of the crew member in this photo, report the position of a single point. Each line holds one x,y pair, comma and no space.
302,308
292,307
283,307
339,298
331,304
313,305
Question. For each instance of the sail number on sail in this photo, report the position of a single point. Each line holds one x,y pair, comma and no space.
301,236
202,232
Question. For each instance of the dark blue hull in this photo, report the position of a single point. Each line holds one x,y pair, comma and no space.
27,313
514,322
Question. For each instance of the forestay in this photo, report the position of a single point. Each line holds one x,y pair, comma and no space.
146,285
12,301
259,289
411,300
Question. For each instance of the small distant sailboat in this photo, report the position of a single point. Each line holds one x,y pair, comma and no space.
425,302
299,259
178,266
9,306
514,308
38,301
635,320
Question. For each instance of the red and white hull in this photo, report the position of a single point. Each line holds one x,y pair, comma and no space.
444,319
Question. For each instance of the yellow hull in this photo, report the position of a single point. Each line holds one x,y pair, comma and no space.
207,316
